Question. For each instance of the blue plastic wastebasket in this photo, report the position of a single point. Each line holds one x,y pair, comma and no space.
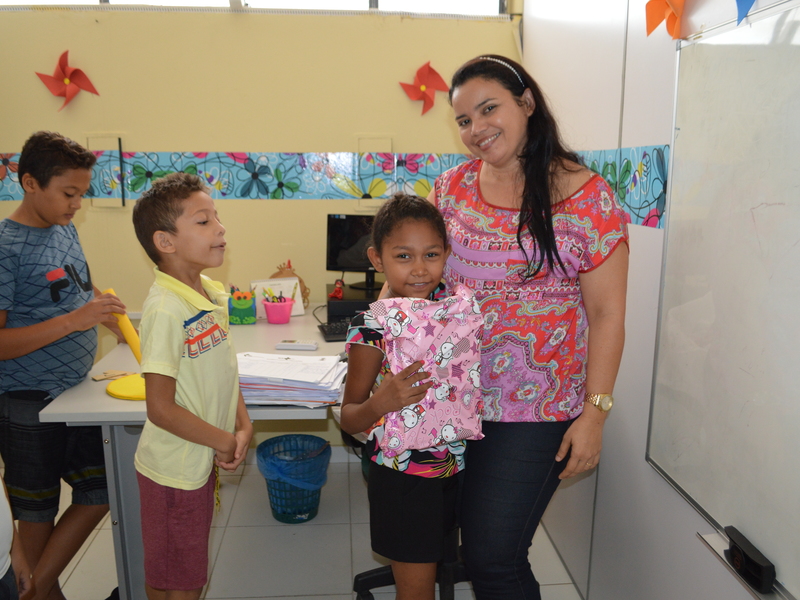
295,467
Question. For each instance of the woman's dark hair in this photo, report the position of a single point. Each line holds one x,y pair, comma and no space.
543,154
400,208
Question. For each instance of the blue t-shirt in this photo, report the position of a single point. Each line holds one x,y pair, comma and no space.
43,274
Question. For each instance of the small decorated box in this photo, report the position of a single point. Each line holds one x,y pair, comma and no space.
241,307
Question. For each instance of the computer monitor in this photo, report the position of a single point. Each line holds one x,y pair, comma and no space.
348,239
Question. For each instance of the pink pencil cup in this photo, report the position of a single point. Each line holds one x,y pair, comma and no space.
278,312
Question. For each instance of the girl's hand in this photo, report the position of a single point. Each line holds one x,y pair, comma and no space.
398,391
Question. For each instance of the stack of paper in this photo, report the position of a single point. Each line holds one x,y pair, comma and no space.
282,379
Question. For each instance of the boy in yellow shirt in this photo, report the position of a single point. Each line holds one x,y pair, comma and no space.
196,417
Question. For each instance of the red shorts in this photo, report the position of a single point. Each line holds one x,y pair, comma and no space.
175,529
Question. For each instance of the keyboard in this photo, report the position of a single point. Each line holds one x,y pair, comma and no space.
335,331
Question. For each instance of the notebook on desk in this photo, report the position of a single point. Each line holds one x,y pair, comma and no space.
334,331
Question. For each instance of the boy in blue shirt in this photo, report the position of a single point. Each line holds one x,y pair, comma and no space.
49,311
196,417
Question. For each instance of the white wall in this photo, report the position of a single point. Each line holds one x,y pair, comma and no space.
575,51
582,80
644,542
613,86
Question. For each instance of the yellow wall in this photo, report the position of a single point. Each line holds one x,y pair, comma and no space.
246,82
218,81
253,82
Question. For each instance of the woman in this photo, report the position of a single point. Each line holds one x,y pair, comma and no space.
535,235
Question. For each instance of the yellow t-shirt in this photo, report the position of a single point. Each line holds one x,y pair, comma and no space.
184,336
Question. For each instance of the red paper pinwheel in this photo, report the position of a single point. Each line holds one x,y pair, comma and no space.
67,81
426,82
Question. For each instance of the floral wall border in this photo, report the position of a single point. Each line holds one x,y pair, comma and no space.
637,175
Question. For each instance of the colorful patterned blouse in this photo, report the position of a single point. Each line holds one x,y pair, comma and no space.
533,355
441,461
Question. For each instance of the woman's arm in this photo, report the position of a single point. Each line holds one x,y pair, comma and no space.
360,407
604,290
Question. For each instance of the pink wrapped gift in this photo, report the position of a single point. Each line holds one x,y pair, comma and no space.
446,336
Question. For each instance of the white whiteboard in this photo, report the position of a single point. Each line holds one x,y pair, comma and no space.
725,420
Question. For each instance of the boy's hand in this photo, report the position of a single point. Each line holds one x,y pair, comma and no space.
223,458
398,391
242,443
113,326
25,584
96,311
228,454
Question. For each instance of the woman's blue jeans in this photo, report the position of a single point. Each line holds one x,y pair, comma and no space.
510,477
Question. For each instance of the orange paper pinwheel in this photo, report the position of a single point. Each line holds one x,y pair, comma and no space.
67,81
426,82
669,10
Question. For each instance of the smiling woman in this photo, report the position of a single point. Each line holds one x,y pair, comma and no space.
492,123
522,220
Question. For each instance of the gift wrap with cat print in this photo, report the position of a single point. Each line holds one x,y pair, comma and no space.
446,336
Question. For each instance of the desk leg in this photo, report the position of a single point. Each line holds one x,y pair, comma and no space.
123,491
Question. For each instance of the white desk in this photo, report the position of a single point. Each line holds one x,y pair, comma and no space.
88,404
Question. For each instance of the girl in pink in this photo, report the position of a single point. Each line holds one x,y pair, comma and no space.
418,420
541,241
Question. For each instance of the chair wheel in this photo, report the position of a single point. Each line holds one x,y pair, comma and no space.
364,596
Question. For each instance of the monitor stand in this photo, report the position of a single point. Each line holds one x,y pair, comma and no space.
368,285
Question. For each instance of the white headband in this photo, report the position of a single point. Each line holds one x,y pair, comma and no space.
505,64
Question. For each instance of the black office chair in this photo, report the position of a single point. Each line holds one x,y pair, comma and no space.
450,571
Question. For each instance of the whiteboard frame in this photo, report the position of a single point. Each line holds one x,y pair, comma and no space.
756,15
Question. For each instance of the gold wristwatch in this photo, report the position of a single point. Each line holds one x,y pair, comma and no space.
602,401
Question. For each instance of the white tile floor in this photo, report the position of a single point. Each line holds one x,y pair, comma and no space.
254,556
